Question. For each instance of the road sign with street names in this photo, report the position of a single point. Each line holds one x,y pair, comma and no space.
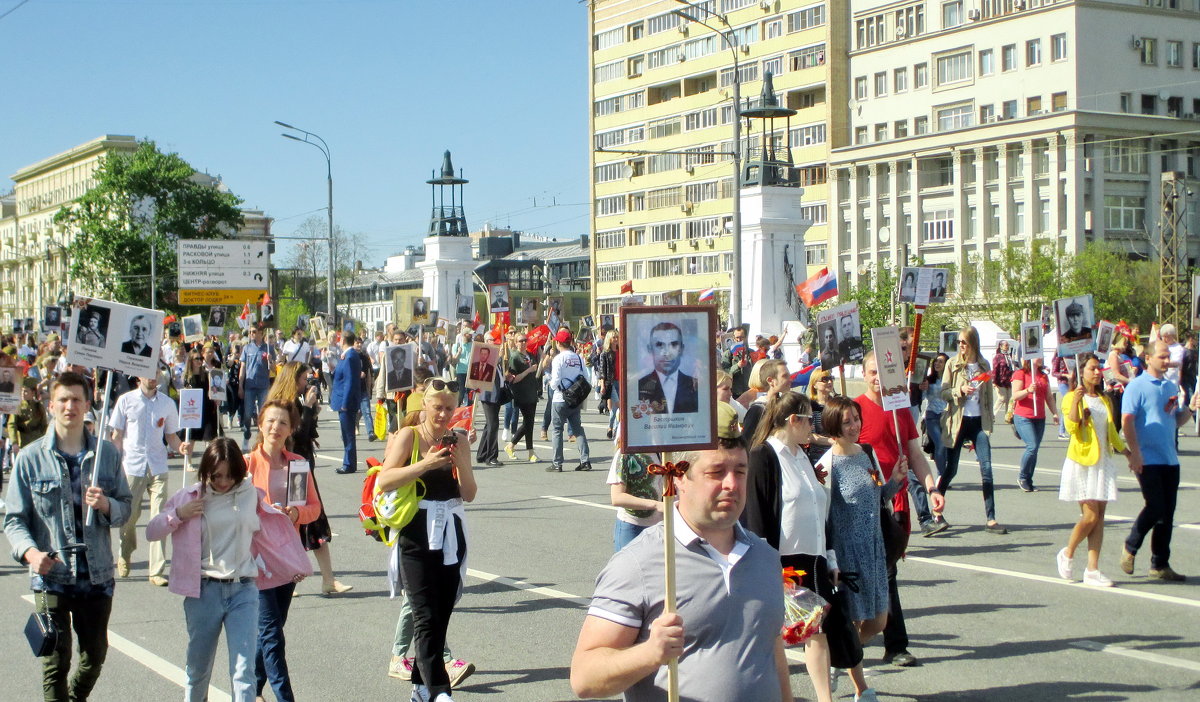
218,271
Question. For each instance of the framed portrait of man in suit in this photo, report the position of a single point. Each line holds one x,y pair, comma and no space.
481,371
668,379
400,361
420,310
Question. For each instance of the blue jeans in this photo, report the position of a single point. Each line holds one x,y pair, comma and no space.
623,533
270,663
1030,431
614,408
234,606
347,422
462,387
367,408
510,418
251,405
933,427
972,430
562,416
1063,389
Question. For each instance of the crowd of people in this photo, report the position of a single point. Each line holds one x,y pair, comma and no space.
802,477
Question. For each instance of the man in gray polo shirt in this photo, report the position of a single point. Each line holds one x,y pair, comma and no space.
726,633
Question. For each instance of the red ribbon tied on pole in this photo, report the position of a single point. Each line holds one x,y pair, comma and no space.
669,470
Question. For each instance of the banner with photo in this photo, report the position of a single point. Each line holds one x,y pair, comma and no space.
1075,320
498,297
193,328
923,285
668,378
216,320
400,362
217,384
531,310
11,379
114,336
481,371
890,363
1031,341
1104,338
419,311
839,336
52,319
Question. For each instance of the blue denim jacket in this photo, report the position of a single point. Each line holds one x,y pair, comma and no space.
40,513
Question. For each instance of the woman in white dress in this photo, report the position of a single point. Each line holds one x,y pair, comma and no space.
1089,474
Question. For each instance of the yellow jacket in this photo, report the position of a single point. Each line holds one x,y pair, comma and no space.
1084,448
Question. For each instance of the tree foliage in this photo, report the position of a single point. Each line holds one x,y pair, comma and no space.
141,198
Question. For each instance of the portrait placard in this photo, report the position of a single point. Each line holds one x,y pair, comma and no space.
1031,341
216,320
1104,337
668,378
434,319
191,408
948,342
608,321
672,297
554,315
1075,321
908,283
266,313
481,372
531,310
839,336
400,362
115,336
498,297
216,385
193,328
890,362
299,473
52,319
419,313
588,321
11,379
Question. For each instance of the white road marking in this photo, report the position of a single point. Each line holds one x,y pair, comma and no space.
1056,472
163,667
1119,518
1140,655
1118,591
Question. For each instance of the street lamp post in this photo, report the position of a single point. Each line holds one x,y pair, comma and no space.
735,277
324,148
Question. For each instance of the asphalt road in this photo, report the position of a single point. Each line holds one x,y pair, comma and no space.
988,616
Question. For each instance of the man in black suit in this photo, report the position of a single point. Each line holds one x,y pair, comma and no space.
937,291
666,389
830,356
850,347
499,298
399,374
139,337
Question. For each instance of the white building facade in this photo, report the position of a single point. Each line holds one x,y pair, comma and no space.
979,124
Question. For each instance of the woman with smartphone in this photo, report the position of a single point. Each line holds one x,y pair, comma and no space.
431,549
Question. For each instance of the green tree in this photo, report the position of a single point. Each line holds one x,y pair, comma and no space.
142,198
288,308
310,258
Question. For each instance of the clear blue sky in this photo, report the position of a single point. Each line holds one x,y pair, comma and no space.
389,84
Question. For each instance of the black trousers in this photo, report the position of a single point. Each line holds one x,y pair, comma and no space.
1160,488
525,428
431,589
895,634
89,618
489,448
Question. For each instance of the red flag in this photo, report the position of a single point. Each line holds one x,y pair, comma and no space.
476,321
627,287
266,298
461,419
245,312
536,338
168,319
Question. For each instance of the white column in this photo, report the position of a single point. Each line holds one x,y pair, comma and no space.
960,214
1004,194
1054,190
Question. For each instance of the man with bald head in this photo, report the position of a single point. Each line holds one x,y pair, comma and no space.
1151,411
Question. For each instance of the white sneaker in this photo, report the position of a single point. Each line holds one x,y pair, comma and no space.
504,434
868,695
444,697
1065,570
1095,578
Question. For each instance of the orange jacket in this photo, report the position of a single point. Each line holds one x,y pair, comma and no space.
259,467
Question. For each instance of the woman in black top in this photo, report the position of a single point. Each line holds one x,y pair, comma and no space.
195,377
432,547
523,382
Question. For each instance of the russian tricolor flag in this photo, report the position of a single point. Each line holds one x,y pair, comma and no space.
800,377
818,288
707,295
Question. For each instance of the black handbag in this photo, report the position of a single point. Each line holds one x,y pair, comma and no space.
576,392
40,630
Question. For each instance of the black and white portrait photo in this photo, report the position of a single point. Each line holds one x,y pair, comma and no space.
434,318
668,396
608,322
1104,337
948,343
554,316
401,360
464,302
52,318
266,313
839,336
193,328
138,341
10,386
589,321
420,310
908,284
92,329
217,384
937,289
531,309
1031,340
18,326
216,317
297,484
498,297
828,346
1075,320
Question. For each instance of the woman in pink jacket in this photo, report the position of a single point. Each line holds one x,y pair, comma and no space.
212,525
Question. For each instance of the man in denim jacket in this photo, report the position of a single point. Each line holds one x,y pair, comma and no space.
70,561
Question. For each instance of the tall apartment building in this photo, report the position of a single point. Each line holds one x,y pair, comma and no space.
663,83
34,270
979,124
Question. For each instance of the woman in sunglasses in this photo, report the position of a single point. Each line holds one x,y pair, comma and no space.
431,549
523,382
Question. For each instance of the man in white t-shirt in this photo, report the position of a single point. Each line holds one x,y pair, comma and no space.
1170,336
141,420
565,368
296,348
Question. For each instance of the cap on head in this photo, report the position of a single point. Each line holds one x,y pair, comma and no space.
563,336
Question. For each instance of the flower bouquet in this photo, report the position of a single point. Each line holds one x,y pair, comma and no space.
804,610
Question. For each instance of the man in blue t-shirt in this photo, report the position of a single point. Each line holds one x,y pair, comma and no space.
1151,412
254,382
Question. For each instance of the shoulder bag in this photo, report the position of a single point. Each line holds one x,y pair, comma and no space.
40,630
895,536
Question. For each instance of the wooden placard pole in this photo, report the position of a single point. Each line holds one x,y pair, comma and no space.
670,471
100,427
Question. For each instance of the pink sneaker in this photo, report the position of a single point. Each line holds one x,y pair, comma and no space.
459,670
400,667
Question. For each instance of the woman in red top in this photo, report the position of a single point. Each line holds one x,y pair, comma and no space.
269,466
1031,406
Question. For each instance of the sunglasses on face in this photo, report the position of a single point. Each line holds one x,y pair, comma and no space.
439,385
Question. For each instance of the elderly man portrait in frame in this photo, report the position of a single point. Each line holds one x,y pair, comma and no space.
666,389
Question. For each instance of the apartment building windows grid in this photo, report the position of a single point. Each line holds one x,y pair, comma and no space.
954,68
817,213
987,62
610,272
911,20
939,226
1124,213
807,135
955,117
611,239
806,18
807,57
816,255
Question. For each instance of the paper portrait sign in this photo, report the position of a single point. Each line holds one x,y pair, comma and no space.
400,362
18,326
1104,337
498,297
317,326
193,328
839,336
29,325
893,381
419,310
948,343
672,297
464,303
217,383
908,283
434,319
938,284
1075,320
1047,316
115,336
481,370
588,321
668,378
920,367
923,285
299,473
348,326
608,321
531,310
216,320
266,313
191,408
1031,341
443,327
11,379
52,318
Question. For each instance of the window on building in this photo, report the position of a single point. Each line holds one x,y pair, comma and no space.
1033,105
860,88
668,231
612,205
609,71
703,228
1174,106
700,119
816,255
773,65
910,21
1018,220
971,225
1058,102
1127,102
637,236
662,23
1043,217
920,75
817,213
1058,47
701,192
954,68
881,84
900,80
881,132
860,135
939,226
610,272
987,113
637,201
1126,156
1149,104
920,125
1196,55
1124,212
1033,52
609,38
612,239
807,18
807,135
1008,109
772,28
954,117
900,128
609,172
808,57
811,175
664,197
987,62
636,31
1149,51
952,14
994,220
1175,54
1008,57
